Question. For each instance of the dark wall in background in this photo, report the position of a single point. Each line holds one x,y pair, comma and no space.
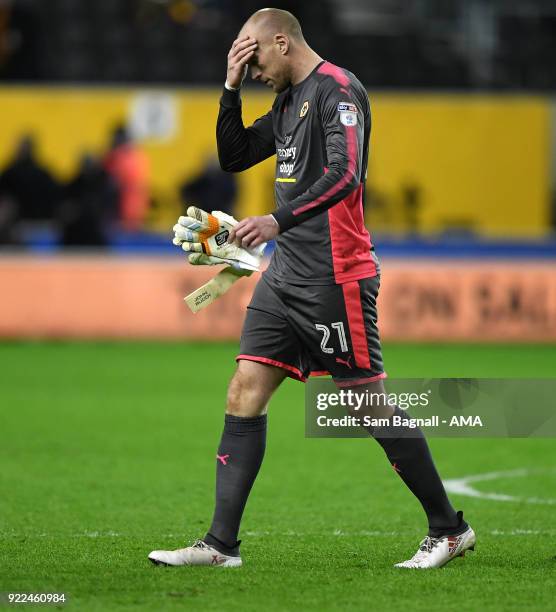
473,44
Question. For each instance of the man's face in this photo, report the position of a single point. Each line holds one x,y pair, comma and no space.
268,65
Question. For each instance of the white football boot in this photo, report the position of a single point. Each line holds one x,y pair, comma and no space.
200,553
436,552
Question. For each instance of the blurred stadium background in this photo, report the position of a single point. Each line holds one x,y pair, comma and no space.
108,115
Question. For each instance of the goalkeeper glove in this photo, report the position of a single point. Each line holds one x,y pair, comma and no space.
205,236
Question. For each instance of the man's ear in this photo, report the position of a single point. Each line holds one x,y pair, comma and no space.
283,43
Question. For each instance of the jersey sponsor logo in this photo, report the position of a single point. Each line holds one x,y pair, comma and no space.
286,153
348,113
287,157
285,168
304,109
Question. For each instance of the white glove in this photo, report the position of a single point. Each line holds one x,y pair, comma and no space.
205,237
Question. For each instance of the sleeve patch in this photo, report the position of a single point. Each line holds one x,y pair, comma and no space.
348,113
347,107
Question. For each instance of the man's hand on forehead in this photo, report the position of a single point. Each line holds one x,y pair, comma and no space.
242,51
245,38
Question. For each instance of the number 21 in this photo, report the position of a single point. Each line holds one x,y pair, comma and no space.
339,327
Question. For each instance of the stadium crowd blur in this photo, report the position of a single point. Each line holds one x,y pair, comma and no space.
421,44
106,192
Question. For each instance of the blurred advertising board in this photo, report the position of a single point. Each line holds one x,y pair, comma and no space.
101,297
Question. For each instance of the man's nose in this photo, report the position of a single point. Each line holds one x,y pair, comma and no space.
255,73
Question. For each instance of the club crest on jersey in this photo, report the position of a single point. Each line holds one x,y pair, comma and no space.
304,109
348,113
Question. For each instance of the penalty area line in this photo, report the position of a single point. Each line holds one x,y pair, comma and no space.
464,486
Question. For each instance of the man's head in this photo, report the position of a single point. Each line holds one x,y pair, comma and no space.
26,147
279,38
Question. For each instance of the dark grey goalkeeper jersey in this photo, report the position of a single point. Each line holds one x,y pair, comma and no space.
319,131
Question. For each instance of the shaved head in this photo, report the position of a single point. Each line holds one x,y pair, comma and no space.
271,21
274,48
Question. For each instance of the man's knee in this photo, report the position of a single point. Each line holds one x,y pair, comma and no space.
251,388
242,396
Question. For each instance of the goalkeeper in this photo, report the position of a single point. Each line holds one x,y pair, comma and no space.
314,309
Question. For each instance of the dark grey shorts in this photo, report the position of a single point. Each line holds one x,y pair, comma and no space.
315,330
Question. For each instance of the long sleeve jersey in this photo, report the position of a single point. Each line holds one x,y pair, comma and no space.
319,131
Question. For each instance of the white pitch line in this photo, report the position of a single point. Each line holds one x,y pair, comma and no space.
463,486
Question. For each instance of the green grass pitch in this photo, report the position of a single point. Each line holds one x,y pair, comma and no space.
107,451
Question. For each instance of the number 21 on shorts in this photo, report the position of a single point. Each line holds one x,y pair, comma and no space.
338,326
